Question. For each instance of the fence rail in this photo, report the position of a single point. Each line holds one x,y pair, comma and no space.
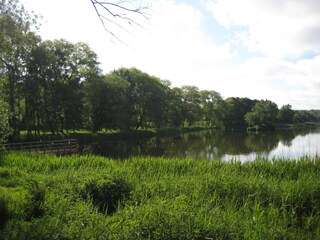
59,147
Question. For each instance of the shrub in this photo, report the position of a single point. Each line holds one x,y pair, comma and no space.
107,193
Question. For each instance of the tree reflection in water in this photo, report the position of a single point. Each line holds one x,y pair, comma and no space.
210,145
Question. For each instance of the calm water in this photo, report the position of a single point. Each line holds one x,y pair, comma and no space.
217,145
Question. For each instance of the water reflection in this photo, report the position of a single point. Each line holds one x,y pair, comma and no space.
215,145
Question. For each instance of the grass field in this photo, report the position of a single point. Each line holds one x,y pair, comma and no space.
87,197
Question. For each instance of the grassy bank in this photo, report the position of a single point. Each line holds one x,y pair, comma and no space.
47,197
85,135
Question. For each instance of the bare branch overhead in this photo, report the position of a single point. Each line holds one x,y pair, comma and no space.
120,15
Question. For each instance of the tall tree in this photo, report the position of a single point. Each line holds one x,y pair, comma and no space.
213,108
237,108
57,68
174,113
191,104
107,102
146,97
5,129
286,114
263,115
16,42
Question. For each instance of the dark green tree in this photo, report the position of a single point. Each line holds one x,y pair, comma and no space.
174,108
237,108
213,108
53,90
263,115
5,129
146,98
16,42
107,102
286,114
191,105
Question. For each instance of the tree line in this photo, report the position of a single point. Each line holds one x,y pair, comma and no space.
58,86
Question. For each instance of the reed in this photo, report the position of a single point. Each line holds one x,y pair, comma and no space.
87,197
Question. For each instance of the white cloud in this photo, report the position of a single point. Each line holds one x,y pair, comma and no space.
174,46
279,28
277,80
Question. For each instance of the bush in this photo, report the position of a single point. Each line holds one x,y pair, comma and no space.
107,193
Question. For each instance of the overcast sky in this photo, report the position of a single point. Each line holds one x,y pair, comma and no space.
261,49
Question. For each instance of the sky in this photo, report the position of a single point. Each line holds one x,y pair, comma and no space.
260,49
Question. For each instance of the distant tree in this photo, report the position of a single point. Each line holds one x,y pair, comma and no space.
316,114
157,103
213,108
146,98
237,108
107,102
263,115
301,116
286,114
191,105
174,108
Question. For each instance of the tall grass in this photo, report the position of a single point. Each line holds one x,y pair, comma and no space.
81,197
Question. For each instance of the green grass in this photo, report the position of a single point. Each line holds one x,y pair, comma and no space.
86,197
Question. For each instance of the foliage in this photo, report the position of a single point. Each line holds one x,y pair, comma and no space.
214,108
4,123
145,98
237,108
16,42
263,115
286,114
159,198
191,105
5,129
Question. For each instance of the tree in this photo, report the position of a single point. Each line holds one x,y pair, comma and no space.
191,104
237,108
146,98
5,129
16,42
286,114
53,89
121,14
263,115
213,108
107,102
174,108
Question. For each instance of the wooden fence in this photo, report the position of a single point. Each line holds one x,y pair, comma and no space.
59,147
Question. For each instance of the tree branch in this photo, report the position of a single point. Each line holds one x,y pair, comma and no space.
118,14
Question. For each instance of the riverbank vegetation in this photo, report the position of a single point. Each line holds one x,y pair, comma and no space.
82,197
58,86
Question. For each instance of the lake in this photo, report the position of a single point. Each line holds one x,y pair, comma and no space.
216,145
